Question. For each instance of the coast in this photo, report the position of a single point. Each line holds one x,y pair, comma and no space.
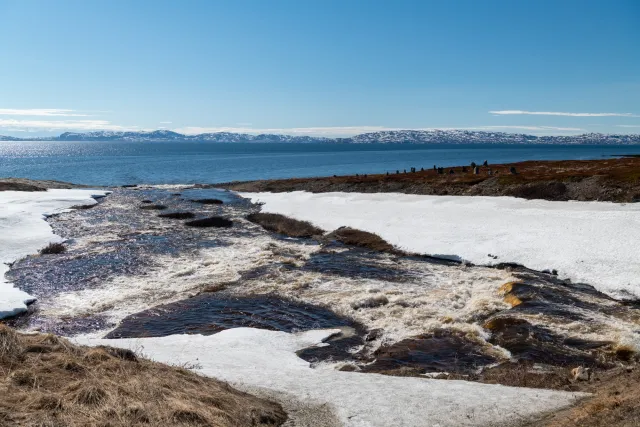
612,180
236,302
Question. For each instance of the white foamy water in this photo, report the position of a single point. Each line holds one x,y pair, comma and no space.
593,242
265,362
23,231
434,296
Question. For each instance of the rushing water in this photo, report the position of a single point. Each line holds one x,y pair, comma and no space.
118,163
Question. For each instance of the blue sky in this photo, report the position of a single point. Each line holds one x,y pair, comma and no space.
327,67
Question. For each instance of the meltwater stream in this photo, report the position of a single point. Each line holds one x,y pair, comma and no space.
127,272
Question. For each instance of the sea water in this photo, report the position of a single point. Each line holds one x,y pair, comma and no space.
119,163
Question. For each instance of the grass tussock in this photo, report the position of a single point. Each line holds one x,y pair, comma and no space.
285,225
364,239
53,248
178,215
214,221
72,386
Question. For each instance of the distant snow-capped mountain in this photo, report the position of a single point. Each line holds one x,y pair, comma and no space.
383,137
167,135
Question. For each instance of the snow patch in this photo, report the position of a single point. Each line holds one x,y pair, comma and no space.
23,231
265,361
592,242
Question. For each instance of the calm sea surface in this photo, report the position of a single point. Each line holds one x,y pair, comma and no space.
118,163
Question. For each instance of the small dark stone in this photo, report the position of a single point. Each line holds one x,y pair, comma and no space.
214,221
178,215
153,207
208,201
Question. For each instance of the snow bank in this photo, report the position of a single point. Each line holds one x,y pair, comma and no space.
593,242
23,232
265,361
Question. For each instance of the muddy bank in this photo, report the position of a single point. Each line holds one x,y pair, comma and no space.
614,180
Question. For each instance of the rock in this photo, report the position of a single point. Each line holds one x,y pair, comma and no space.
211,201
214,221
371,302
512,170
581,374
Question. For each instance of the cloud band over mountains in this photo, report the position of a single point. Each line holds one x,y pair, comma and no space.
558,113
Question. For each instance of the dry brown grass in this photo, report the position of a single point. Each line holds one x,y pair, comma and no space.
46,381
285,225
364,239
616,403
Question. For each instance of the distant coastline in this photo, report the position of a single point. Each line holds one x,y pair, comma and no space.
382,137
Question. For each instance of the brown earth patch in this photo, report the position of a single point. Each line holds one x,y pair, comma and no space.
69,385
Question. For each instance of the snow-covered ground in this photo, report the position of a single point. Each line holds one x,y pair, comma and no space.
593,242
265,362
23,231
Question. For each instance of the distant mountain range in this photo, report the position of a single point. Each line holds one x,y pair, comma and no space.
384,137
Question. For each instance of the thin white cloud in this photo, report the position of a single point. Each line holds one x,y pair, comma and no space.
628,126
558,113
62,125
44,112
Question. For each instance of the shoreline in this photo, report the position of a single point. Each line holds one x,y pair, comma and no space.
611,180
